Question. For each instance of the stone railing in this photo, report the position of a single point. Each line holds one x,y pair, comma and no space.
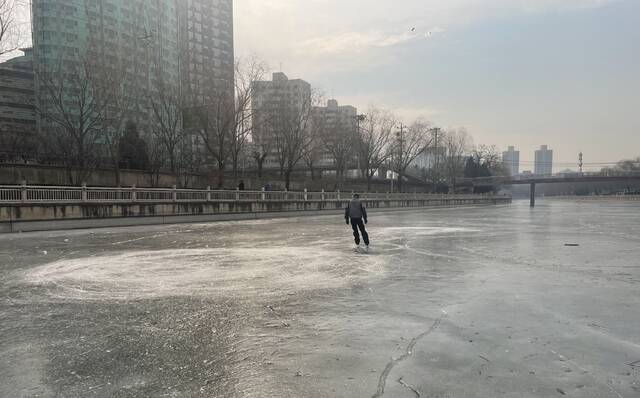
35,208
25,194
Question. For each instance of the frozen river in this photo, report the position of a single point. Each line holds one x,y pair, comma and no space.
501,301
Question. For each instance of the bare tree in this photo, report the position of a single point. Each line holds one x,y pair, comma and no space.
72,117
339,142
260,153
456,145
215,122
247,71
11,33
314,152
190,159
18,145
409,143
489,159
113,82
134,150
292,137
156,159
224,116
168,132
175,128
375,133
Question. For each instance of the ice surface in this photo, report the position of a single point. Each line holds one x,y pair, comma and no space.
459,302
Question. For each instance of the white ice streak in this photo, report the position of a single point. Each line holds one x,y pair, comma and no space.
208,272
428,230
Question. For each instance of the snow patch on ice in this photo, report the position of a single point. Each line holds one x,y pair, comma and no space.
218,271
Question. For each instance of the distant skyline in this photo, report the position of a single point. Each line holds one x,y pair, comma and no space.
562,73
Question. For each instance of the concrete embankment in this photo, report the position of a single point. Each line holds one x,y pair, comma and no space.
57,216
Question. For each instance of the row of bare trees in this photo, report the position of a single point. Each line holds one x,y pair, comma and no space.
380,143
91,116
90,108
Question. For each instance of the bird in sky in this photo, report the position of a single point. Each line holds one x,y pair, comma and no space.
413,29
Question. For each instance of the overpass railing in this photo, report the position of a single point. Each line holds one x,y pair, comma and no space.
537,178
625,198
47,194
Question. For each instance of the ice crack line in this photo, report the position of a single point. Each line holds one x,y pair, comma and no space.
382,382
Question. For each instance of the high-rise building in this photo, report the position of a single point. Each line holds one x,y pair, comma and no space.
429,158
277,104
333,124
132,40
544,161
17,108
153,46
206,48
511,161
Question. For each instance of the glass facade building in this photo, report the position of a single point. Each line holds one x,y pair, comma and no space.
152,44
206,49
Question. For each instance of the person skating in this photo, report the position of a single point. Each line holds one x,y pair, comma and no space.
357,214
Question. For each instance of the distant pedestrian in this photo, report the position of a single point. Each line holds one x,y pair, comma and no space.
241,185
356,213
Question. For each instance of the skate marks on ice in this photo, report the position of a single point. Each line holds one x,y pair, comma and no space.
207,272
382,382
426,231
394,240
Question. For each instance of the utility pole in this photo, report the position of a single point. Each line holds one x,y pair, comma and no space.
400,162
436,169
401,134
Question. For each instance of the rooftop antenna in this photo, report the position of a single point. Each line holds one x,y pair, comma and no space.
280,67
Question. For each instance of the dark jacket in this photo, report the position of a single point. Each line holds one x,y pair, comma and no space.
355,209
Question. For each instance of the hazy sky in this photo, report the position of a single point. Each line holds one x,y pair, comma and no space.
513,72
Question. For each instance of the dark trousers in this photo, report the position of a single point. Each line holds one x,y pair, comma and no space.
357,223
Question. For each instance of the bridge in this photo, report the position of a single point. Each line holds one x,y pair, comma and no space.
554,179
